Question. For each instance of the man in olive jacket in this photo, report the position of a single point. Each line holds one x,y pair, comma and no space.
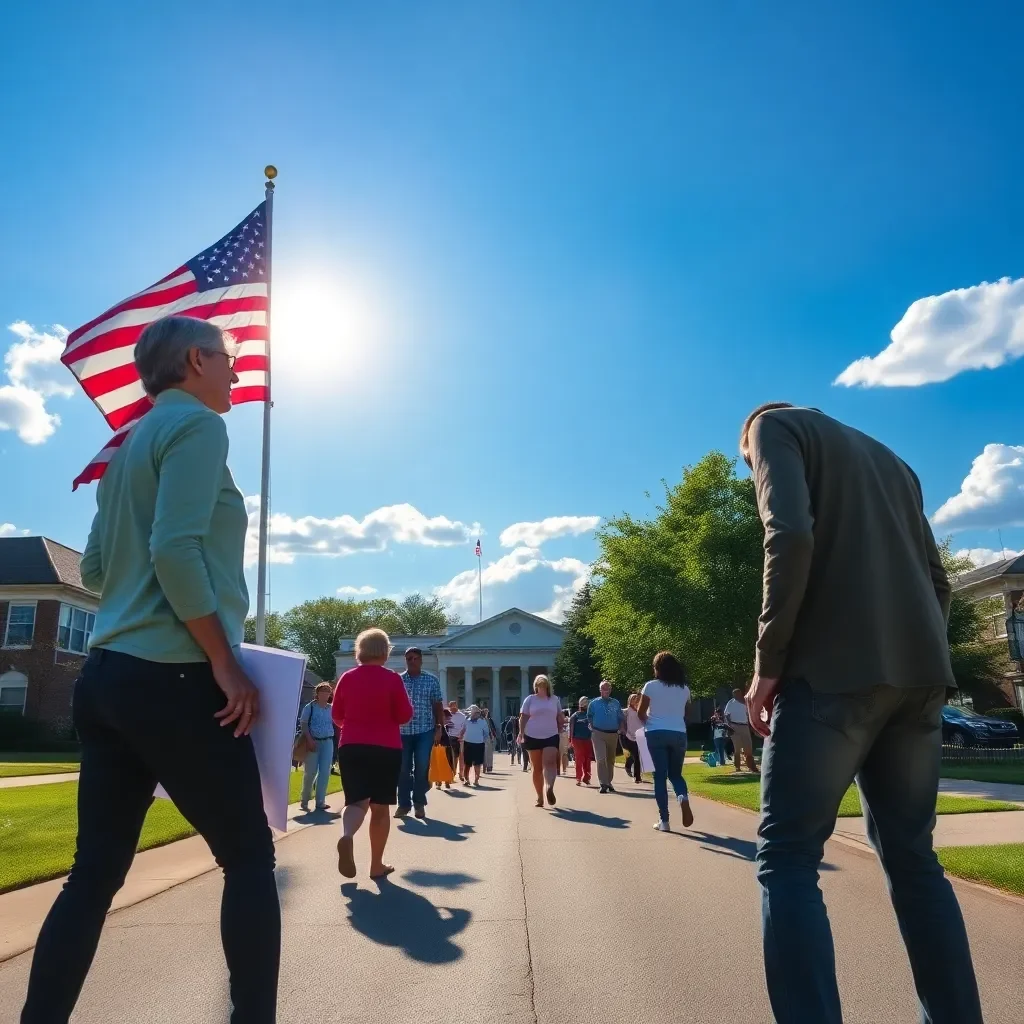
851,667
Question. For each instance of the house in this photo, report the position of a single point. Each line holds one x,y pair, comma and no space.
1000,586
492,663
46,621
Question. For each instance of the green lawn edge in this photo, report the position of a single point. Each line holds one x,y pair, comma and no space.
1000,866
17,769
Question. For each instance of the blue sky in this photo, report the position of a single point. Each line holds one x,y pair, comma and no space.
529,259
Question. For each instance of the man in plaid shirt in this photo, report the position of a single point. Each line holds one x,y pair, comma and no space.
419,734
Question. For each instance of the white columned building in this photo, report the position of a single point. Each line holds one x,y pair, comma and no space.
492,663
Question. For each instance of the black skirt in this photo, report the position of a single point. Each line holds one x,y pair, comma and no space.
532,743
369,773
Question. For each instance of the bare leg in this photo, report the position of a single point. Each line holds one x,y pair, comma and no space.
477,770
380,828
351,822
537,763
550,766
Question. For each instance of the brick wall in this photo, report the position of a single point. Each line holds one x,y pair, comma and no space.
51,673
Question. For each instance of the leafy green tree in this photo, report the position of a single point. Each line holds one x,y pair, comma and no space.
274,630
424,615
688,580
316,628
576,672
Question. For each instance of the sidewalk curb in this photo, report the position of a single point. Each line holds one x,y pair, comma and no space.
153,871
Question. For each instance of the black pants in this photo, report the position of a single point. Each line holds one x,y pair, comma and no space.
140,723
632,758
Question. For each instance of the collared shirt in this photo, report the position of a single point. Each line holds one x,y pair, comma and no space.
736,712
424,692
604,714
318,720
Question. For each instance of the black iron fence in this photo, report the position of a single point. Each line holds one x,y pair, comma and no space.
983,755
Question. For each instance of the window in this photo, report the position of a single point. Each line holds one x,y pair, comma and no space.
21,624
75,629
13,690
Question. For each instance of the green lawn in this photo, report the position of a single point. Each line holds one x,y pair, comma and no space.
9,769
38,826
1013,773
1000,866
725,786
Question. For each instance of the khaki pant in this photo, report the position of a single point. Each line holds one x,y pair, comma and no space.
742,744
604,754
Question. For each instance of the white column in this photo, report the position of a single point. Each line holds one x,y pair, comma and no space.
442,676
496,712
468,686
527,681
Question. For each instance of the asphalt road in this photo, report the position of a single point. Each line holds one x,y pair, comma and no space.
501,911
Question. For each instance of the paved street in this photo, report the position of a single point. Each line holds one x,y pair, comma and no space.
503,911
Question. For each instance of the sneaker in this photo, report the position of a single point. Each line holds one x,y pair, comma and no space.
579,783
551,795
684,805
604,789
611,789
447,785
662,826
421,811
304,807
402,812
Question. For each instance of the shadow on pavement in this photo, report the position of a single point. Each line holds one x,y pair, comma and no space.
396,916
316,817
588,817
730,846
435,829
439,879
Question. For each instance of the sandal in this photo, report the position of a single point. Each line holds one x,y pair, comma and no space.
346,861
539,803
551,795
388,870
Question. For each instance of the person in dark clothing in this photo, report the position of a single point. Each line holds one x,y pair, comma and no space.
850,676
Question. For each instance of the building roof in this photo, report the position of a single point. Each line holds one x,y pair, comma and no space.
1007,567
35,561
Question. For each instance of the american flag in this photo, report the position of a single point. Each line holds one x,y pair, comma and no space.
226,284
479,550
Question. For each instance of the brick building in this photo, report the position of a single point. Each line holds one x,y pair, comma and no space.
46,620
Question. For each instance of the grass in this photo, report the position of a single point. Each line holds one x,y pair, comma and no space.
1000,866
1013,773
64,756
38,826
10,770
725,786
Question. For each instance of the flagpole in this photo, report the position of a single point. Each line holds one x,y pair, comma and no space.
261,574
480,583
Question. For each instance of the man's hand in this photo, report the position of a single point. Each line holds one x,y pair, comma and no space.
243,706
761,697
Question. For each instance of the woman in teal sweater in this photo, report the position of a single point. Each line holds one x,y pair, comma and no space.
162,697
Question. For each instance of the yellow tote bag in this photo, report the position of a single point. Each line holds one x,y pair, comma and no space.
440,769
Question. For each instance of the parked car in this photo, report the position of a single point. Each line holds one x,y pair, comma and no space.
962,727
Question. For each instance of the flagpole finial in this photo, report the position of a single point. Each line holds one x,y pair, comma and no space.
270,171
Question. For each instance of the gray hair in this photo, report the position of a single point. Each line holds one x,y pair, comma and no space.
161,353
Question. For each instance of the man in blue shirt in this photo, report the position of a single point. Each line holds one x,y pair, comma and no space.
606,718
419,734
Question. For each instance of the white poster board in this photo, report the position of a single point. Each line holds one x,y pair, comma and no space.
646,764
278,677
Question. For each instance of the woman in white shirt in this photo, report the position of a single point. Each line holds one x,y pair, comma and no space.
474,740
630,724
541,721
662,709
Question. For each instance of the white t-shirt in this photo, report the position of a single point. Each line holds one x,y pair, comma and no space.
476,731
457,724
736,712
668,706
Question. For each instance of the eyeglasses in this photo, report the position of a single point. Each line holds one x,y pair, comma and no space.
220,352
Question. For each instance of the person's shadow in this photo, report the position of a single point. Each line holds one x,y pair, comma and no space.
396,916
436,829
589,817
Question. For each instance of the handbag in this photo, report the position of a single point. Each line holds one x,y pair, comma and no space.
440,770
303,744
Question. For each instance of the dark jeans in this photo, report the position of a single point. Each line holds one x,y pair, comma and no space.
890,740
632,758
668,751
141,723
721,750
413,782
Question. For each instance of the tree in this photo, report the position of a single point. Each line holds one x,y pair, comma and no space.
576,673
423,615
688,580
274,630
316,628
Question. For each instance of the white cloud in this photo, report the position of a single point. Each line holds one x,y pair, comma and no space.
523,578
535,534
991,495
345,535
986,556
35,373
10,530
939,336
356,591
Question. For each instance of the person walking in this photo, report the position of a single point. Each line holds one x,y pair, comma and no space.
419,735
738,721
662,710
474,743
371,704
318,728
540,723
631,722
582,743
454,724
511,731
161,697
605,715
492,735
720,735
850,677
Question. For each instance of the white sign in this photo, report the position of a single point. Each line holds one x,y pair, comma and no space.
278,677
646,764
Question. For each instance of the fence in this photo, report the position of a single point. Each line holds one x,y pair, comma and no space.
983,755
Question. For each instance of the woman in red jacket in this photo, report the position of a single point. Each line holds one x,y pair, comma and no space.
370,703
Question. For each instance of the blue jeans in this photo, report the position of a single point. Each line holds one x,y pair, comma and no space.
318,766
412,782
668,751
890,740
721,746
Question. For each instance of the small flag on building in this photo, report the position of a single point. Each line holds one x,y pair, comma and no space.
226,284
479,550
